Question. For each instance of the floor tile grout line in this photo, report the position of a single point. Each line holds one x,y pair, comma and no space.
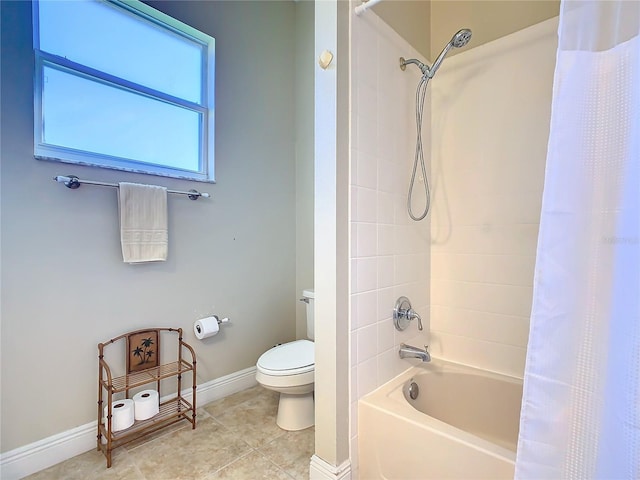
231,462
152,439
162,433
284,467
257,394
268,458
137,468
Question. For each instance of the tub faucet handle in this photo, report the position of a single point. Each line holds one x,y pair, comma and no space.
413,315
403,313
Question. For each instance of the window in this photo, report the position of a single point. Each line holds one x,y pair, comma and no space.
121,85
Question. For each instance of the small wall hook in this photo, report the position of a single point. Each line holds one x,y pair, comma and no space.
325,59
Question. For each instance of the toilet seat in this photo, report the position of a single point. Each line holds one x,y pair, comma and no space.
293,358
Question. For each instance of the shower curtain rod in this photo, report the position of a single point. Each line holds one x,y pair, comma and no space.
366,5
73,182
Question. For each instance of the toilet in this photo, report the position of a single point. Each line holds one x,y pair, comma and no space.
290,369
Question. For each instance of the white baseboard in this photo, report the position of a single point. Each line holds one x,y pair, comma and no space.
44,453
224,386
321,470
32,458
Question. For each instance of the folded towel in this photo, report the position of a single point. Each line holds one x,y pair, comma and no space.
143,222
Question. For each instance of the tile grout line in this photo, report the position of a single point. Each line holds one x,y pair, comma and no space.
231,462
268,458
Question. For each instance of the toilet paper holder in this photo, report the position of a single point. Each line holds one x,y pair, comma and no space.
220,321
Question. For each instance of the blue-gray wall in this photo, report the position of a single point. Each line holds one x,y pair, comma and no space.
64,285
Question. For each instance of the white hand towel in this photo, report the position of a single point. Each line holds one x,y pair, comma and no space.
143,222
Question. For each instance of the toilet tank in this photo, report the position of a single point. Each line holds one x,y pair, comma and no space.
309,297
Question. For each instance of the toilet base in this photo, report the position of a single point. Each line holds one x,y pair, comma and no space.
295,412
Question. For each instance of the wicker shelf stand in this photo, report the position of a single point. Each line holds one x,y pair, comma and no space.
143,368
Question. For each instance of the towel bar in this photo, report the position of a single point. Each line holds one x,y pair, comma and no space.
73,182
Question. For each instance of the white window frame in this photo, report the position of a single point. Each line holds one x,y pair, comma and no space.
44,151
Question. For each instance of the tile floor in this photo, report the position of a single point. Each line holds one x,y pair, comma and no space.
235,438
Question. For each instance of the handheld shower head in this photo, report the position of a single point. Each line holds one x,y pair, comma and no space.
460,39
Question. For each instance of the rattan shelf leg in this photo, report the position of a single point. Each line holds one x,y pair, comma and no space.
193,424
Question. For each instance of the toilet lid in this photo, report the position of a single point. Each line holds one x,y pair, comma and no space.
288,359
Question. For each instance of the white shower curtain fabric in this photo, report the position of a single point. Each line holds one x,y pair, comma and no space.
581,403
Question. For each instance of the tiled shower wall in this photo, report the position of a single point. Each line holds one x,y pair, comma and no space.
490,124
389,252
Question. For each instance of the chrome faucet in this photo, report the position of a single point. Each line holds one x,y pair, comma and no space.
407,351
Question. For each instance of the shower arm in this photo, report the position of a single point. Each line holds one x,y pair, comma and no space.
423,67
428,71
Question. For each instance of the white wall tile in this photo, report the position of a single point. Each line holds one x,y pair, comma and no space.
366,274
366,205
491,327
353,200
496,357
486,202
387,365
353,353
385,335
353,456
386,300
389,178
407,268
353,283
367,240
423,262
354,383
367,120
354,419
353,164
367,376
367,339
367,170
498,269
386,239
381,166
353,241
366,33
386,271
502,299
518,239
386,207
367,309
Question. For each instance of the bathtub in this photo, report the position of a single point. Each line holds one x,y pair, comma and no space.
462,425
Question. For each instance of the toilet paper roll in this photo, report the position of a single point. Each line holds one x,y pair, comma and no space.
206,327
146,404
122,412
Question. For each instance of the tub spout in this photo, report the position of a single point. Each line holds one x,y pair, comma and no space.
407,351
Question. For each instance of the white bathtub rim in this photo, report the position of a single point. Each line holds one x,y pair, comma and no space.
389,398
416,367
453,364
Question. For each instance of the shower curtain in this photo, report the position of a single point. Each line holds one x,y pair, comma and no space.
581,404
